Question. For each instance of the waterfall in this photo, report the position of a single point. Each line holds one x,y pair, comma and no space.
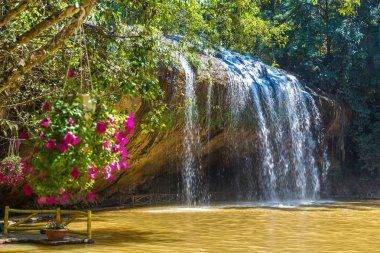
288,125
191,167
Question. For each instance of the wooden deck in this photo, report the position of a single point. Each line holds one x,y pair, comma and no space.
42,239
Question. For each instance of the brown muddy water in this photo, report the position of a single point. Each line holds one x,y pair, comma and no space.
324,226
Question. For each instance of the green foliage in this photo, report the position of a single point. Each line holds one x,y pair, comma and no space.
55,225
13,160
334,44
52,166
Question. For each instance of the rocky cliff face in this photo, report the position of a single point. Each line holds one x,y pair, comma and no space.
156,159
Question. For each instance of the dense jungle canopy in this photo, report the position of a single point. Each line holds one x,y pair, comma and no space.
49,49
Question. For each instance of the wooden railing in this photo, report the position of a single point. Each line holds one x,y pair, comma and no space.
17,226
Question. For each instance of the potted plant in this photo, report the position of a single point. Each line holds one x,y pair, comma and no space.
55,230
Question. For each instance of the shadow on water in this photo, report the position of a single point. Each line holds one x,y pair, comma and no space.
112,236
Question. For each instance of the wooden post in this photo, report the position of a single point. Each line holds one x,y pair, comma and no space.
6,222
89,232
58,214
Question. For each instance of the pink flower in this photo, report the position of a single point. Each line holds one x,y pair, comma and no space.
124,141
101,127
51,200
119,136
76,141
123,152
71,122
71,73
63,147
69,138
75,173
123,164
42,136
113,166
111,121
41,200
65,198
45,122
62,190
24,135
105,143
47,106
91,196
92,172
18,143
28,191
109,176
131,117
51,144
130,124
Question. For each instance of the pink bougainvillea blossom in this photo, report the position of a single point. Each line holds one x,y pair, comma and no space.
76,141
112,122
130,124
123,164
69,138
71,73
123,152
62,191
45,122
18,143
51,144
105,143
101,127
63,147
71,122
41,200
109,176
91,196
75,173
113,166
65,198
124,141
41,134
51,200
92,172
28,191
24,135
119,137
47,106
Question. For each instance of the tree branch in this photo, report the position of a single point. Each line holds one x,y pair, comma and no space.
12,13
44,52
11,77
38,29
93,29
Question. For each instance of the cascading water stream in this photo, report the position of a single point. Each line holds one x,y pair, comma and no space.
275,134
288,127
191,162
